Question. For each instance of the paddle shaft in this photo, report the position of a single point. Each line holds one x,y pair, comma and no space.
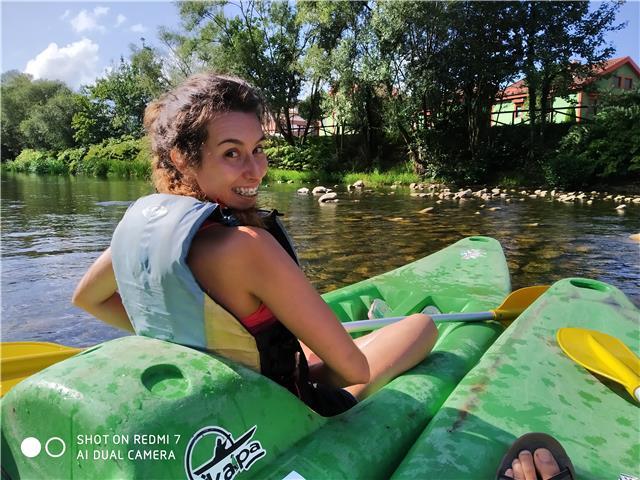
368,325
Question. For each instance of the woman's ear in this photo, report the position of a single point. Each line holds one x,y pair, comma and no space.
177,158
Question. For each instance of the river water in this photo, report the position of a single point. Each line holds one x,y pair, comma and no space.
54,227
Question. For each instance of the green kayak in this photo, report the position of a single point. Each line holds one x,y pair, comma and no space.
525,383
137,407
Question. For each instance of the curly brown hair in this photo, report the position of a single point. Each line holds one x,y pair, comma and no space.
179,119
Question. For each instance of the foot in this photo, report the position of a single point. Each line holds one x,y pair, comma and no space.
528,467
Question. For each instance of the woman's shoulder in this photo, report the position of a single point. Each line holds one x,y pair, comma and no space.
232,244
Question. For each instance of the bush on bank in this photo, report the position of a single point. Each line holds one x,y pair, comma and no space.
122,157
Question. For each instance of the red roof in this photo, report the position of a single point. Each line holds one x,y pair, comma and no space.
519,89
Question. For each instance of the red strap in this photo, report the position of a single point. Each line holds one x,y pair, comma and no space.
258,318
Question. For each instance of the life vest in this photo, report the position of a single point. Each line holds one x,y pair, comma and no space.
163,299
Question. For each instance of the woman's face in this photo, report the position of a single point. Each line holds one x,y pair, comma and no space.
233,162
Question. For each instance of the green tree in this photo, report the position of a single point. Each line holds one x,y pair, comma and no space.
262,41
34,114
558,42
48,126
114,106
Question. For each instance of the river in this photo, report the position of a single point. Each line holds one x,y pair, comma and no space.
54,227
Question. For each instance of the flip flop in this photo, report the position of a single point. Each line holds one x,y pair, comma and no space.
531,442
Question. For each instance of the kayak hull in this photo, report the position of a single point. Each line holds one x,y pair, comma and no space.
192,404
525,383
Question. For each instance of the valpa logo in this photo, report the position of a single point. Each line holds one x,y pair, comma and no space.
213,454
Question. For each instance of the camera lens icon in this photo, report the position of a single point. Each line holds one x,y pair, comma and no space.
31,447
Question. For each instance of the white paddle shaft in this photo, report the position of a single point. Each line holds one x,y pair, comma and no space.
368,325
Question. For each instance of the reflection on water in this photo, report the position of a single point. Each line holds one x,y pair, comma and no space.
54,227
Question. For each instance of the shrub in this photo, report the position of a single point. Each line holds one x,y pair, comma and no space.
608,148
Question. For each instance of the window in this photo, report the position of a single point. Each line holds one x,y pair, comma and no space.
616,81
518,111
627,83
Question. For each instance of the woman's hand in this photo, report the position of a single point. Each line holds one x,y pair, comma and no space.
96,293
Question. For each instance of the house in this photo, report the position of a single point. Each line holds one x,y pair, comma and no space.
298,124
618,73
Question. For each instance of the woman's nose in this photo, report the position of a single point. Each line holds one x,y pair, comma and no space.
256,166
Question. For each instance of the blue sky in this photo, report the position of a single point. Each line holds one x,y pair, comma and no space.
76,41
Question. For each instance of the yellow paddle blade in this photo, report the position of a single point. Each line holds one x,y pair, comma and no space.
20,360
517,302
602,354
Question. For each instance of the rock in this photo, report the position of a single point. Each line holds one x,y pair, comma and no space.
482,206
621,207
536,224
635,237
359,184
543,193
493,209
503,195
608,197
438,201
495,191
636,200
318,190
589,202
350,188
290,181
331,197
464,194
533,195
477,213
303,191
394,186
524,192
427,210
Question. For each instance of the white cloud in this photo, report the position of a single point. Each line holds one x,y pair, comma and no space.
120,19
98,11
138,27
65,15
75,64
87,21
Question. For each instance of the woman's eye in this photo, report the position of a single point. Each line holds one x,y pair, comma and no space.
259,150
232,154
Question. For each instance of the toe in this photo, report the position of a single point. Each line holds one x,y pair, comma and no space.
509,473
545,463
526,462
518,474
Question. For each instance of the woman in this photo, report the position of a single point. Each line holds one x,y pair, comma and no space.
198,264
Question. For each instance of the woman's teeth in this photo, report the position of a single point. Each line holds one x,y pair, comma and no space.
246,192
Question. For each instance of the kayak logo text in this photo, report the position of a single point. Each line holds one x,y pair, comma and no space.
218,456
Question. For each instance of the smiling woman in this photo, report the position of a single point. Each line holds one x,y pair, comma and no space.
198,264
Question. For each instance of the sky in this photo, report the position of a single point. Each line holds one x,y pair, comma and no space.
77,41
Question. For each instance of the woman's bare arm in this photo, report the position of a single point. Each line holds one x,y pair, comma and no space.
256,266
96,293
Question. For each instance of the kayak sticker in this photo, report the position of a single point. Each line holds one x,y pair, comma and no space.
213,454
472,254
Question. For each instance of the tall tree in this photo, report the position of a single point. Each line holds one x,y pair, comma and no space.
114,106
35,114
262,41
559,42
